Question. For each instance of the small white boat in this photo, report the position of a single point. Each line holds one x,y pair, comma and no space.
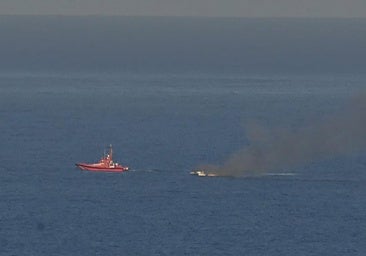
202,173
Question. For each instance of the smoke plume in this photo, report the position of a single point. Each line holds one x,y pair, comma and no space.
281,149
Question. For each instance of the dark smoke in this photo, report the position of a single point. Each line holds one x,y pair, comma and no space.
281,149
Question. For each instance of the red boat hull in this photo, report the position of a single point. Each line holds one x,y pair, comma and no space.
100,168
105,164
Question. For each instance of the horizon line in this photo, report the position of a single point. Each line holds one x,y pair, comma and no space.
180,16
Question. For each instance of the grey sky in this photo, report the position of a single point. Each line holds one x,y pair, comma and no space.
230,8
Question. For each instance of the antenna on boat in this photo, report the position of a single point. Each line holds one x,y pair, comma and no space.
110,151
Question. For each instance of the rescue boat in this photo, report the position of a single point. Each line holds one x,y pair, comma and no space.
105,164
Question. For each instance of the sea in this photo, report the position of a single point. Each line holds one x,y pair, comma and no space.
163,123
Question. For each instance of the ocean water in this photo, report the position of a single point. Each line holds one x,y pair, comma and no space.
163,125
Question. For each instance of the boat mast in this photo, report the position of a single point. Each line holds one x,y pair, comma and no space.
110,151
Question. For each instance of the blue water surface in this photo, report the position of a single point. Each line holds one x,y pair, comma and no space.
162,125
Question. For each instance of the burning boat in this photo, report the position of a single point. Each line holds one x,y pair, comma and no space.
202,173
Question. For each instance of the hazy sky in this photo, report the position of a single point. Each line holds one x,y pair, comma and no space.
236,8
